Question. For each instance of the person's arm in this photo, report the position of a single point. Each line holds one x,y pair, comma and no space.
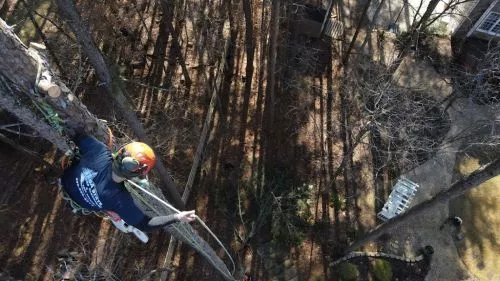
132,215
162,221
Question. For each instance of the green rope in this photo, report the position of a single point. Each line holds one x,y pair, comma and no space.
76,208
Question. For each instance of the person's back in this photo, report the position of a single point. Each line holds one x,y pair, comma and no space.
90,177
95,182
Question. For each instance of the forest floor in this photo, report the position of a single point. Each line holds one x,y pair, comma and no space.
287,137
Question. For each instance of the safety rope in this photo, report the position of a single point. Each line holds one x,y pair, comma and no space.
65,162
182,232
145,202
177,211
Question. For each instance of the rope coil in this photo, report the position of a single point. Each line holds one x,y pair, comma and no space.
166,204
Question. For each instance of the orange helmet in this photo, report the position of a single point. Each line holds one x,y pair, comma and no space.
133,160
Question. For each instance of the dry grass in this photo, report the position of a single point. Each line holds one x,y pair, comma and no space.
479,209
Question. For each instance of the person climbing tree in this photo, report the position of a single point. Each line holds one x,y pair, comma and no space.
94,181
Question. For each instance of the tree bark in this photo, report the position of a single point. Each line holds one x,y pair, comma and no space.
273,53
25,71
9,103
457,189
68,10
414,30
421,25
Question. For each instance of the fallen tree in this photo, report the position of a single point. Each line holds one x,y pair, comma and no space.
26,79
26,76
26,73
458,188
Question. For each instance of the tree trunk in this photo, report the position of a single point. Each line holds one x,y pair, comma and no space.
414,30
38,29
421,25
345,59
68,10
176,46
26,73
273,51
457,189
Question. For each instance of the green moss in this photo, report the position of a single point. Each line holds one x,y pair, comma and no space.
381,270
348,271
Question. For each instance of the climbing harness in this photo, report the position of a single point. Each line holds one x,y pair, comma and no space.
70,155
183,231
75,207
118,222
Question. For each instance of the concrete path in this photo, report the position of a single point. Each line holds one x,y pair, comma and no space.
436,175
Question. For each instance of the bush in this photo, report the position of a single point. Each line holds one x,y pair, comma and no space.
338,201
278,202
348,271
317,278
382,270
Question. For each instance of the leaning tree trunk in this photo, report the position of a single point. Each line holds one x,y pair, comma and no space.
457,189
25,74
69,12
417,27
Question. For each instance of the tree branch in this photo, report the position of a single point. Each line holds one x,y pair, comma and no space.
458,188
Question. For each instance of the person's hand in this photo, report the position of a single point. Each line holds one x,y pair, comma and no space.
186,216
144,183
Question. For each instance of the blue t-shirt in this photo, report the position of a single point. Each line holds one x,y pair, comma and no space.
89,183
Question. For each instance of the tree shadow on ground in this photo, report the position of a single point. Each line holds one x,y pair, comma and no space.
478,209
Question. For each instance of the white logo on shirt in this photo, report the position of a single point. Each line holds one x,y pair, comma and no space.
87,188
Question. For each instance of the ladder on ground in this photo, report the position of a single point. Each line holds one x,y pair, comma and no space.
399,200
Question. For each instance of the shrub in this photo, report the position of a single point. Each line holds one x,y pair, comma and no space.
278,202
317,278
348,271
382,270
